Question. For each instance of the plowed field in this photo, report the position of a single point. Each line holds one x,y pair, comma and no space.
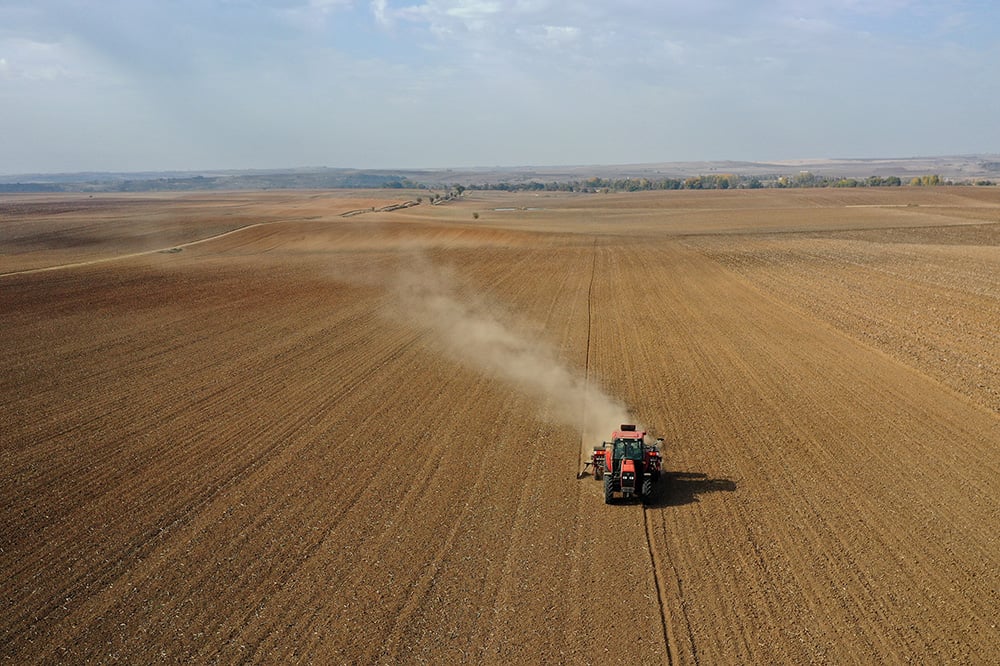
242,427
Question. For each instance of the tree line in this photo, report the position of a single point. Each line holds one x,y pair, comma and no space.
726,181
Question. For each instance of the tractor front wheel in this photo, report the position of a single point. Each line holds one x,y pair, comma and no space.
609,489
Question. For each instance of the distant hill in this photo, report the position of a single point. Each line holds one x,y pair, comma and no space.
307,178
961,168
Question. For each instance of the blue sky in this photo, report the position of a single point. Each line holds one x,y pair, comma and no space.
204,84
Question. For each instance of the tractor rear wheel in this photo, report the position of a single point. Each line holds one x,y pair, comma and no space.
647,491
609,489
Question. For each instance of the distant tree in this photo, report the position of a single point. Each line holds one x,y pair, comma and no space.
475,216
805,179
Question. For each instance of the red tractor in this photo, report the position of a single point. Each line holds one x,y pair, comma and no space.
628,465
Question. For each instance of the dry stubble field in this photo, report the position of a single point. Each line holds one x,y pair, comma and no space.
233,431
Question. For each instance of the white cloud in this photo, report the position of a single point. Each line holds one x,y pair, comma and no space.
470,10
559,35
312,15
548,37
31,60
327,6
382,17
454,18
812,26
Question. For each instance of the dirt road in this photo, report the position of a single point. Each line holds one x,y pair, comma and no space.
259,448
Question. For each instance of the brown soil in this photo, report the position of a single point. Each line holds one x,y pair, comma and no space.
240,449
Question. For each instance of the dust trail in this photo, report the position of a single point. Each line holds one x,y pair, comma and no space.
472,330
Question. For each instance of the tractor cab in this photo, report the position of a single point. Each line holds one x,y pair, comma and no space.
626,448
627,444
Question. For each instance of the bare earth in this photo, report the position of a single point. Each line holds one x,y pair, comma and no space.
226,434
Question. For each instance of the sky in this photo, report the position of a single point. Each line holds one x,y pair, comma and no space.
143,85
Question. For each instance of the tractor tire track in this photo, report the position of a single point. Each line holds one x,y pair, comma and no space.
661,568
586,355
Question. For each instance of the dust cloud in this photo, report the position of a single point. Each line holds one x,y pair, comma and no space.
471,330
